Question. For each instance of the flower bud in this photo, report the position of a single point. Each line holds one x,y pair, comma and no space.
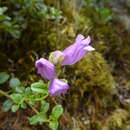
56,57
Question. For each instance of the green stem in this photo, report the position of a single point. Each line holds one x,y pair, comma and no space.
32,107
4,93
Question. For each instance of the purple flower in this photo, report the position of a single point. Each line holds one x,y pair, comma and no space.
56,57
77,51
45,68
57,87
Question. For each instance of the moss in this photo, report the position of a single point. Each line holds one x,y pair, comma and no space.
126,126
117,119
92,86
94,73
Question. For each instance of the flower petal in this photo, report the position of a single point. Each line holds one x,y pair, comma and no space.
86,41
77,51
89,48
58,87
79,37
45,68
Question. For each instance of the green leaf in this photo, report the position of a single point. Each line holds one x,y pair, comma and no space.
56,112
32,99
15,108
44,106
19,89
17,98
105,14
38,118
39,87
23,105
3,77
7,105
14,82
53,125
28,91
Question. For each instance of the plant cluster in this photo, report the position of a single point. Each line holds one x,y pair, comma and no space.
21,96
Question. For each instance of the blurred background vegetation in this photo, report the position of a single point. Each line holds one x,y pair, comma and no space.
99,97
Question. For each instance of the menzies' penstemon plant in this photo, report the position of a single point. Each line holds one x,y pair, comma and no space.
69,56
35,95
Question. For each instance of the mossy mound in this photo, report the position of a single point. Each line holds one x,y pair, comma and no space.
93,95
94,73
92,83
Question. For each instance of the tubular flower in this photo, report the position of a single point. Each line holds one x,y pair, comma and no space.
45,68
57,87
77,51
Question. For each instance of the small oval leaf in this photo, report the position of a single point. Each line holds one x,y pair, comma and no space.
53,125
44,106
3,77
7,105
56,112
14,82
14,108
